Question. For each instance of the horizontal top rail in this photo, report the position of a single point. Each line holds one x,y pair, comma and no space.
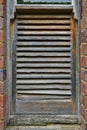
73,6
46,7
27,6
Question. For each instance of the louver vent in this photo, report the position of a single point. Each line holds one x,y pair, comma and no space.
44,57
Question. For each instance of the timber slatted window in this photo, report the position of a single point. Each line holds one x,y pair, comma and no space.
44,65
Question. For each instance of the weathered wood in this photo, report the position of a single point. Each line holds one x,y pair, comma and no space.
44,27
46,92
44,16
61,38
42,97
43,76
43,81
43,22
44,43
47,59
25,32
44,70
41,54
47,87
43,119
44,49
41,106
44,65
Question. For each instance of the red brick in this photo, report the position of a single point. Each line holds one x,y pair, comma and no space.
1,10
2,74
84,87
2,113
2,125
2,87
84,101
2,1
2,36
2,49
1,23
84,23
2,62
83,124
84,36
84,49
3,98
84,74
84,113
84,61
84,8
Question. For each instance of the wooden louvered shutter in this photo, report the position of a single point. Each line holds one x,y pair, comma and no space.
44,63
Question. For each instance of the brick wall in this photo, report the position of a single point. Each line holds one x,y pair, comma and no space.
84,64
2,64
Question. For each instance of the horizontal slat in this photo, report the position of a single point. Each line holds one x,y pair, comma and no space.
43,22
44,38
44,27
27,54
44,16
41,97
44,59
44,32
45,49
44,65
43,76
30,71
48,92
43,43
45,81
42,87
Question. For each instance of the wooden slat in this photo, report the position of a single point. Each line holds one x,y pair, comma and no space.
44,27
41,97
43,76
43,22
43,43
47,87
46,70
43,81
44,49
44,16
44,38
55,54
43,32
44,65
44,59
46,92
